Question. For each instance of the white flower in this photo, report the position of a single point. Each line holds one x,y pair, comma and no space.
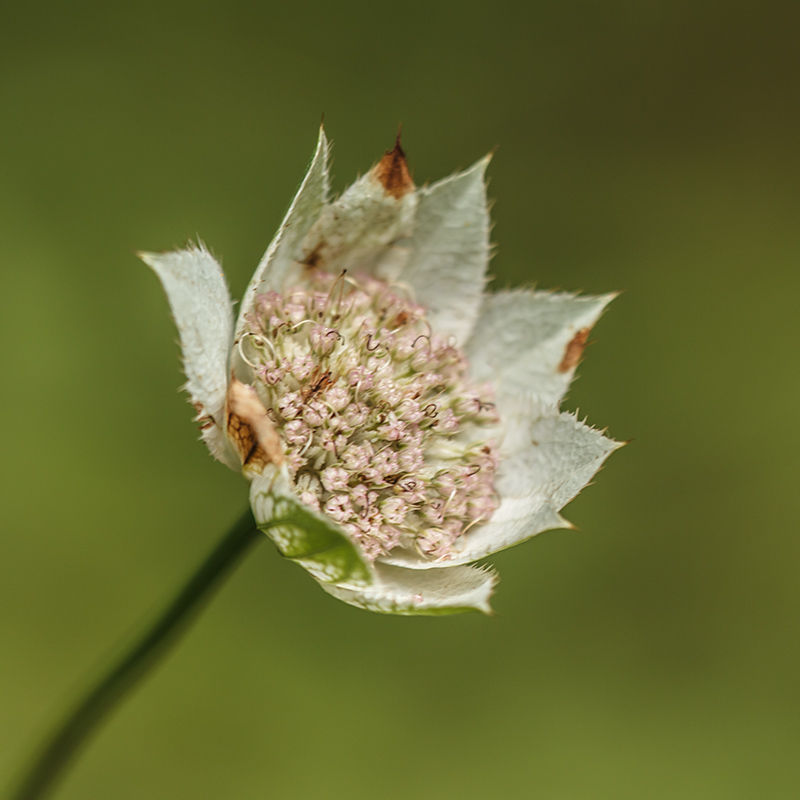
396,423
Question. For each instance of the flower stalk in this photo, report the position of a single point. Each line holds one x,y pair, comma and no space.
138,660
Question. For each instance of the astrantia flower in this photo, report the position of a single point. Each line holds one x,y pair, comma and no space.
395,422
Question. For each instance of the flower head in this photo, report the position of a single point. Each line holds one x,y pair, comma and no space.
395,422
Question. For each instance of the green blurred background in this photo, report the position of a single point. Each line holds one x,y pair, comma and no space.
649,147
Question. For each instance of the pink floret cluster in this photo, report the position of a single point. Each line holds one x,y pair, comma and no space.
383,430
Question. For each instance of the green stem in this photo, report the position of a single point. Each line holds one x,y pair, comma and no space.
142,656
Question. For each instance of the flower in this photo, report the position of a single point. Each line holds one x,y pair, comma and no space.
396,423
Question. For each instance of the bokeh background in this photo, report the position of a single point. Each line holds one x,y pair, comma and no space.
649,147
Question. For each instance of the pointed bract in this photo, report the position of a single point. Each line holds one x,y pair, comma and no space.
395,590
284,249
450,251
203,313
392,172
552,458
527,344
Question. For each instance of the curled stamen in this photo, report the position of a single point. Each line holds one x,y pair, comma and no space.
262,342
244,358
430,410
371,349
302,322
422,336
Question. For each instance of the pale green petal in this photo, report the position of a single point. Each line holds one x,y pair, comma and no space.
435,591
303,535
284,249
528,343
450,251
203,313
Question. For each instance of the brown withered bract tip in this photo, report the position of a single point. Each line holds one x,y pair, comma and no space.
250,428
392,172
574,350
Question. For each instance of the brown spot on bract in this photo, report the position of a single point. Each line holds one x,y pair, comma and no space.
392,172
314,258
250,429
242,437
574,350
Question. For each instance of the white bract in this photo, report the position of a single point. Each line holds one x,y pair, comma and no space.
396,423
